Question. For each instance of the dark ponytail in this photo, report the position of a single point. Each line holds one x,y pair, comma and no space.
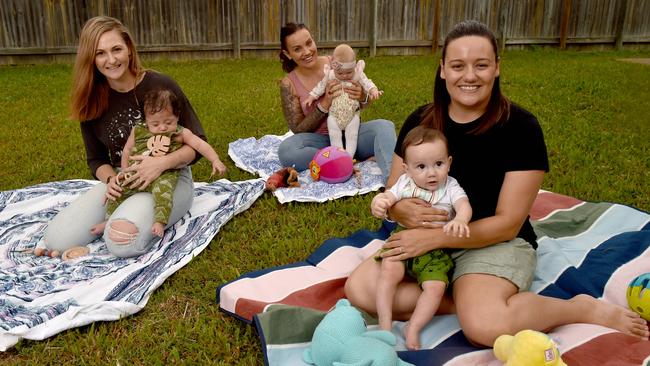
290,28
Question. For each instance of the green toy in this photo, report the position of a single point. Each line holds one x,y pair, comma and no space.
341,339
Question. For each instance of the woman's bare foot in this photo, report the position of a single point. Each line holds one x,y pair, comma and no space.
412,336
98,229
613,316
158,229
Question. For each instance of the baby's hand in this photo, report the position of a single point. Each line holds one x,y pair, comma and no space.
310,100
456,228
375,94
218,166
379,206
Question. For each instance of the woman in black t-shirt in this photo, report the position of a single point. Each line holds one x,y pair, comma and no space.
499,158
108,89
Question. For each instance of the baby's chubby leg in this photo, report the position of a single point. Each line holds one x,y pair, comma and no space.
390,275
352,134
425,309
336,135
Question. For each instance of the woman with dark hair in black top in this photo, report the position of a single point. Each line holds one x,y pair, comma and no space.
499,158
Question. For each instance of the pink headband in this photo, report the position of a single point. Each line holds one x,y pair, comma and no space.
343,65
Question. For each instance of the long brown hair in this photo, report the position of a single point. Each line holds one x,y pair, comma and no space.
498,109
290,28
89,98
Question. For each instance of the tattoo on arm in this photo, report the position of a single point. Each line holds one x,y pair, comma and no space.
293,114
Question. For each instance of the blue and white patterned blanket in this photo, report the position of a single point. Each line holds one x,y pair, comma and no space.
42,296
260,156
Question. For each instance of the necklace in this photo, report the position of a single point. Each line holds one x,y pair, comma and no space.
135,95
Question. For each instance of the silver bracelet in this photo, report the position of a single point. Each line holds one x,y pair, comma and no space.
366,101
321,108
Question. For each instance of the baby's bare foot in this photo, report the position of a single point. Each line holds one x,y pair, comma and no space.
613,316
98,229
412,336
158,229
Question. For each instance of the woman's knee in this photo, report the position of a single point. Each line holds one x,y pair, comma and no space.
360,287
355,290
289,154
124,239
385,125
284,151
122,232
482,327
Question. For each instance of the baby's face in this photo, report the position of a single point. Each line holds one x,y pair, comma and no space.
428,164
344,74
161,121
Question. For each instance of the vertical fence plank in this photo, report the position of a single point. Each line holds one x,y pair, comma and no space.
564,22
503,23
236,29
372,29
436,26
620,24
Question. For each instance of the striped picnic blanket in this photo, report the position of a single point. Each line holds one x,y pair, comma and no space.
584,247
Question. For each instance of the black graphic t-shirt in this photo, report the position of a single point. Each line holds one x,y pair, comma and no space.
104,137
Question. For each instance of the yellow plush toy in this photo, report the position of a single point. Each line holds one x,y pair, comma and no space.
527,348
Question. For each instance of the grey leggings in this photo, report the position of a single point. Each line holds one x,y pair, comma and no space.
71,226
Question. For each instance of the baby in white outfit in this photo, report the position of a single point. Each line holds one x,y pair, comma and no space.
344,111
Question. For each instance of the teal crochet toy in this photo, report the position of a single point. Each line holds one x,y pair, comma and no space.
341,339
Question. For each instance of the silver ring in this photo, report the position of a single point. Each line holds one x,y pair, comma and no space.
401,251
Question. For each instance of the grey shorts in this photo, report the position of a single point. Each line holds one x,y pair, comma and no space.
514,260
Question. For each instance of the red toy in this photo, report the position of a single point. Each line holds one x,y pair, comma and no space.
285,177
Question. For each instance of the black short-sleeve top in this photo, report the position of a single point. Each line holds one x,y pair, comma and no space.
480,162
105,136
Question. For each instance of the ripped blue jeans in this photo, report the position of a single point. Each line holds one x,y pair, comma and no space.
71,226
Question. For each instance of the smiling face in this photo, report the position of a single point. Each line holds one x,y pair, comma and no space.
428,164
161,121
301,48
469,69
112,58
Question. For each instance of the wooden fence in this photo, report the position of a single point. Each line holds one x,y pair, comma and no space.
34,31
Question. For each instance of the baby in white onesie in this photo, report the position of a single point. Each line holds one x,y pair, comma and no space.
344,112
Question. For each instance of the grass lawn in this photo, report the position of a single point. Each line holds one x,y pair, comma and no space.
593,109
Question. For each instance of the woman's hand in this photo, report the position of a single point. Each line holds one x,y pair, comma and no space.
410,243
332,90
414,212
356,92
113,190
145,171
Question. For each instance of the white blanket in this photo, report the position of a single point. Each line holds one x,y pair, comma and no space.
42,296
261,157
